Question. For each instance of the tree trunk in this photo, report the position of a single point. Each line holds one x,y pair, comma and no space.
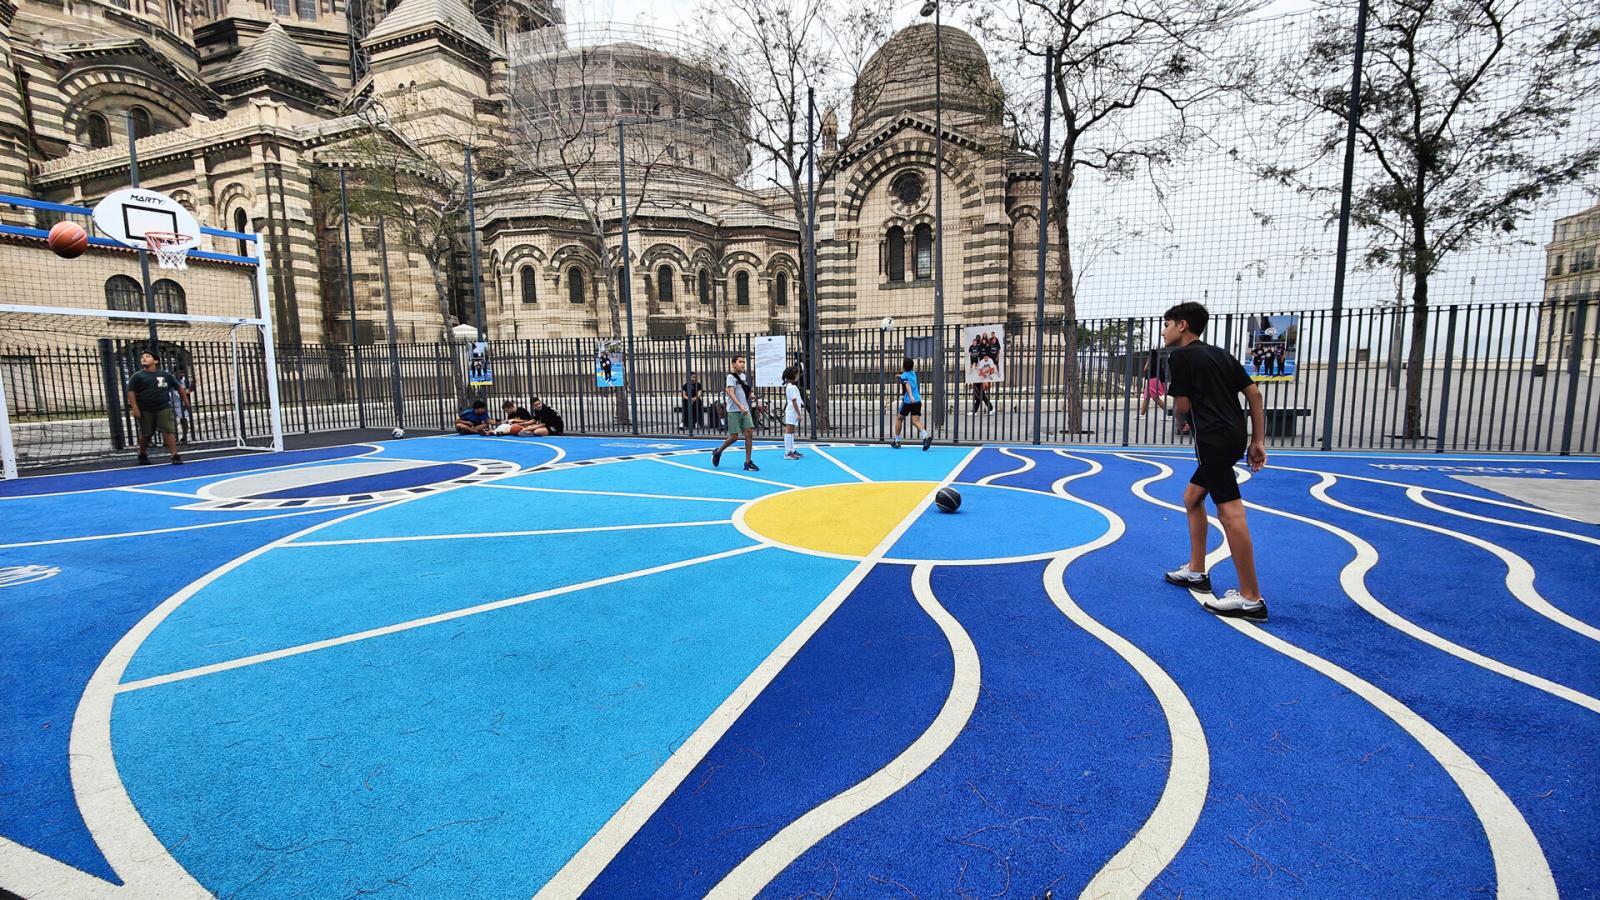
458,384
1069,304
1415,375
615,302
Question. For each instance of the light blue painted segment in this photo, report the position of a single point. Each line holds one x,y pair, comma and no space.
468,759
909,463
645,477
294,596
995,522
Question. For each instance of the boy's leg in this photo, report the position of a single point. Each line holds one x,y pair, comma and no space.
1231,514
749,443
1194,506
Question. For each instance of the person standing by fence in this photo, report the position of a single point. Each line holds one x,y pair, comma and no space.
150,397
692,402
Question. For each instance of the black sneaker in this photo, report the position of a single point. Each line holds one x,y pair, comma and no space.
177,460
751,467
894,444
927,441
1194,581
1234,606
716,458
144,459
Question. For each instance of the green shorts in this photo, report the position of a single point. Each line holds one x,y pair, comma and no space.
164,420
739,421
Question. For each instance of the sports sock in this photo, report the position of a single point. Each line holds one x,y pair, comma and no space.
788,442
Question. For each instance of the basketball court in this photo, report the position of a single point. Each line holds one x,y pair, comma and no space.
497,667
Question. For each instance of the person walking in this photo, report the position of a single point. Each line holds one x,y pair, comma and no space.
791,411
150,393
741,418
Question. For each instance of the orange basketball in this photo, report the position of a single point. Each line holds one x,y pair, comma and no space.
68,240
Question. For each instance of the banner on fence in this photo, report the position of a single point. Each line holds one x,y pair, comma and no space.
985,353
610,369
770,352
1270,355
480,373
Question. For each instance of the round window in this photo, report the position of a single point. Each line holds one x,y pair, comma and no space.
907,188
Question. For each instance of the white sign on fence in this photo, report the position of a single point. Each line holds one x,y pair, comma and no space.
771,352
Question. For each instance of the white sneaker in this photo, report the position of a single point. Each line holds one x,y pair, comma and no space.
1235,606
1184,577
792,454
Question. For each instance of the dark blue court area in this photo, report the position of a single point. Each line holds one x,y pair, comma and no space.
501,667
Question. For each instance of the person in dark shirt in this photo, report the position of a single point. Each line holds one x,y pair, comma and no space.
693,403
474,419
1155,385
1205,384
150,393
546,421
513,418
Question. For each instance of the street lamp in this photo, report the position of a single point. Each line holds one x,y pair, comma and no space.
931,8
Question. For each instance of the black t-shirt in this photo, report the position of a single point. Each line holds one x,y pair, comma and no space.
548,418
1212,380
692,389
153,389
519,413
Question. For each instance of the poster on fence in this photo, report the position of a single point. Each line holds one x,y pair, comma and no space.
609,368
480,373
770,353
985,349
1270,353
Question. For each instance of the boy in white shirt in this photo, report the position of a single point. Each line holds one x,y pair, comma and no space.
791,412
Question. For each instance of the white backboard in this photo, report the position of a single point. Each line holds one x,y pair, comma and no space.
125,215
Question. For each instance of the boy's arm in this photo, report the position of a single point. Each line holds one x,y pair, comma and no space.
1257,454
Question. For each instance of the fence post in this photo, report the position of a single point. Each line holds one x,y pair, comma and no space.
690,420
1574,364
8,450
113,386
1449,364
577,346
1127,382
944,378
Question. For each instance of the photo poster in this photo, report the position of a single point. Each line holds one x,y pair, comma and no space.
1270,352
983,349
771,354
609,368
480,372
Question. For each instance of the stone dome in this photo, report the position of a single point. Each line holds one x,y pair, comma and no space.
899,77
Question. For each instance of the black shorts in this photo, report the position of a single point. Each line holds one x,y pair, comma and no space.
911,409
1217,479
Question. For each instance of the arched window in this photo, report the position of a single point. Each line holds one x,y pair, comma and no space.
780,291
895,254
124,293
664,284
705,286
143,125
530,285
575,285
98,131
741,288
922,247
169,297
241,224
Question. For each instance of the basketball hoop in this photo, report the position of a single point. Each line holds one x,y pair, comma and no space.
170,248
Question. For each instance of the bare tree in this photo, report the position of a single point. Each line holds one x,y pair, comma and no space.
1467,109
1133,85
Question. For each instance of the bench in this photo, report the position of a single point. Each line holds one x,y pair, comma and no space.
1281,420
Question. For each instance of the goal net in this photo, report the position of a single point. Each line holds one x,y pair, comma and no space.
72,332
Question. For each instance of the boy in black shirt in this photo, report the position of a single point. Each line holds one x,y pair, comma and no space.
1205,383
150,393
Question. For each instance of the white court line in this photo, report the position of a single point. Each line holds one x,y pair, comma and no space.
1150,849
545,490
132,489
783,848
1353,579
29,873
1187,451
124,534
817,449
1520,867
499,534
450,616
766,481
1419,496
1028,462
186,476
1443,493
591,860
1519,574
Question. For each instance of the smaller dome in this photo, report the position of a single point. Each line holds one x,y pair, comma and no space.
900,77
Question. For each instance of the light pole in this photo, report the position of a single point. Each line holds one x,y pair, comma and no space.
931,8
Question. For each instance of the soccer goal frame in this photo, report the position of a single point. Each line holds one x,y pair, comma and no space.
261,320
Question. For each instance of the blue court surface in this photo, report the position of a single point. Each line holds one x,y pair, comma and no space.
494,667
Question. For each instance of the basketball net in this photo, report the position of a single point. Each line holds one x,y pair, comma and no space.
171,249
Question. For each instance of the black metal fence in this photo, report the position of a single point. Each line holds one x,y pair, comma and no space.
1494,378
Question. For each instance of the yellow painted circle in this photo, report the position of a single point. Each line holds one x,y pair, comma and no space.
845,519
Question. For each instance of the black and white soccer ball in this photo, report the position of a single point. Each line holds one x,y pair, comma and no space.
398,433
